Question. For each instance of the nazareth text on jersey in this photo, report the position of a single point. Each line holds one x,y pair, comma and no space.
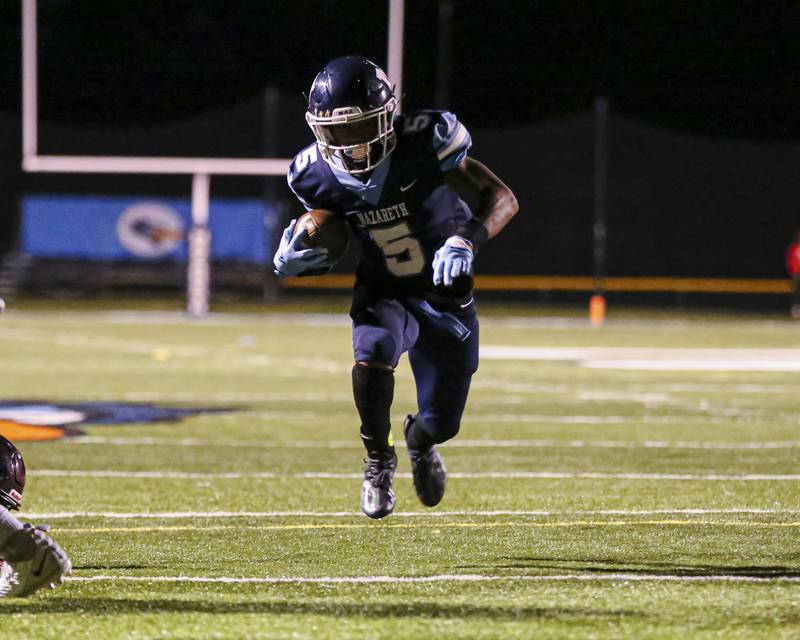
404,211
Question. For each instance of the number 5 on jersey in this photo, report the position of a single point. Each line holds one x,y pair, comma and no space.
402,250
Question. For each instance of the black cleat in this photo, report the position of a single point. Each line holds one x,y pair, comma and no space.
377,497
430,476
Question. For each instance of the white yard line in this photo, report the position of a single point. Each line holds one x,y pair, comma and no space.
236,444
183,515
633,391
687,364
233,396
229,319
581,577
706,416
179,318
640,394
453,444
488,475
500,352
621,444
725,388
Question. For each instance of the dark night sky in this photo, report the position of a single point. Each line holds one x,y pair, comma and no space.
722,68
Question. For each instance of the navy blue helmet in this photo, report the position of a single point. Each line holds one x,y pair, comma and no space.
351,107
12,475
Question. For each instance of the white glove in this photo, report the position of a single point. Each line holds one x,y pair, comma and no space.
454,258
292,260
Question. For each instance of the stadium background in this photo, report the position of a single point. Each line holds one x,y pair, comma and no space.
702,143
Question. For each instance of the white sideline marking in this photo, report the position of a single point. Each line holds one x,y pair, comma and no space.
616,577
453,444
655,358
342,320
181,515
316,475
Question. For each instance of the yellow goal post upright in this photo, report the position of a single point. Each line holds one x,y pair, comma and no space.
198,271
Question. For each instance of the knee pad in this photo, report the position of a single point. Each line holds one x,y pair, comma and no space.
377,345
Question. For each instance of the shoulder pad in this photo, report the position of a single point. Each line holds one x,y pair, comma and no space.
300,174
447,137
303,161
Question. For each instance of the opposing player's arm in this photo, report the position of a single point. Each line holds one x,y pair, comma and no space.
493,203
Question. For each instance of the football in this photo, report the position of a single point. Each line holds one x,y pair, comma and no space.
325,229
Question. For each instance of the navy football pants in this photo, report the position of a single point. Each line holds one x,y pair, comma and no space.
442,349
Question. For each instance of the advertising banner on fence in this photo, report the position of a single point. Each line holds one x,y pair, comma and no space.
141,228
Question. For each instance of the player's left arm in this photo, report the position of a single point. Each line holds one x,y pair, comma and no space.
493,203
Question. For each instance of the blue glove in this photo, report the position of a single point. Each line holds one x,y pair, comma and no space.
292,260
454,258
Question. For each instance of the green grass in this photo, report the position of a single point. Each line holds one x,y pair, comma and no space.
600,557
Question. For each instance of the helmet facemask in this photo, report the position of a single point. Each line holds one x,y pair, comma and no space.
352,140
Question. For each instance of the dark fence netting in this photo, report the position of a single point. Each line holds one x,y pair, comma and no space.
678,204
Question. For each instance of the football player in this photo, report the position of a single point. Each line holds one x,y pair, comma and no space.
29,559
420,208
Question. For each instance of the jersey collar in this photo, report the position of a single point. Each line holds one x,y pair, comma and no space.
369,191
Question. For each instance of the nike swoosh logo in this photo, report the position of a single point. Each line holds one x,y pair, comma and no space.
408,186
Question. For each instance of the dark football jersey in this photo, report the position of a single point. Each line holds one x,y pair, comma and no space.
404,211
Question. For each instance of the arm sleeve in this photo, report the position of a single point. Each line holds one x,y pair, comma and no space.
451,141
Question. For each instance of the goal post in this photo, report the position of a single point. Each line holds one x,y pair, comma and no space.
198,270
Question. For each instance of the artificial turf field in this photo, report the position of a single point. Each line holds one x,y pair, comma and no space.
584,501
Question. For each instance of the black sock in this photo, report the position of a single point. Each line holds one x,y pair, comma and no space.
373,390
417,438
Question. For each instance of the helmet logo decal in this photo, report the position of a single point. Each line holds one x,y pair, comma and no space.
381,74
